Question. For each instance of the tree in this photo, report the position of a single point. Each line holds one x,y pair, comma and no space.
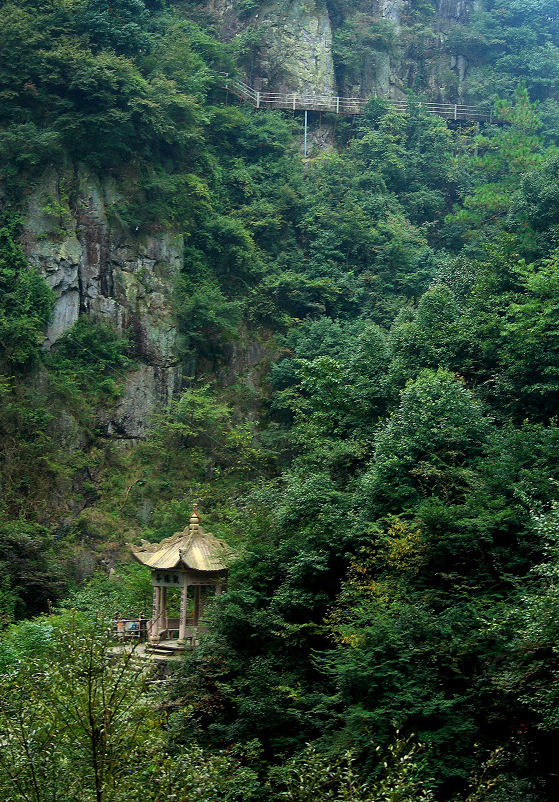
313,776
75,718
529,354
26,301
78,721
115,24
500,158
426,446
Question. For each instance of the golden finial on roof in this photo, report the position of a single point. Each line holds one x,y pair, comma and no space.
194,518
191,549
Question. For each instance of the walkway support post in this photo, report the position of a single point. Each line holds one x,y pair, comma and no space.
306,123
258,100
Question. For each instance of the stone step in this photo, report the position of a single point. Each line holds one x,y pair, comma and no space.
167,647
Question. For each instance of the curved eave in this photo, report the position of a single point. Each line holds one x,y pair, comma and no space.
197,560
191,550
157,561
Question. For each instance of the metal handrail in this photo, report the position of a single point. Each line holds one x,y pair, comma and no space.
344,105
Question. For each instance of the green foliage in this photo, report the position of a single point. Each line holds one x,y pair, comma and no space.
537,202
87,78
25,443
116,25
434,334
81,721
126,591
427,443
497,165
25,301
529,370
86,364
358,42
507,42
29,568
312,777
389,486
207,317
206,432
408,444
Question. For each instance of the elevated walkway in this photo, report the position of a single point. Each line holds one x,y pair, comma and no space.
343,105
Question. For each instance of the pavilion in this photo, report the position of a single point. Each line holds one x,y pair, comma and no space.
188,561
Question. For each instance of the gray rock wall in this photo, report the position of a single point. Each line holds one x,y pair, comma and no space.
291,43
124,278
290,48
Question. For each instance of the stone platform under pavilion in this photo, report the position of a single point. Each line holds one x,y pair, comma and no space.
190,561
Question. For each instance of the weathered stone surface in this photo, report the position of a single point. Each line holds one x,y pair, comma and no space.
68,431
292,49
442,76
454,10
147,388
114,275
299,48
391,10
244,358
294,43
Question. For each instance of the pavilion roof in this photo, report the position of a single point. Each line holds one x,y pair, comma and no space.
193,549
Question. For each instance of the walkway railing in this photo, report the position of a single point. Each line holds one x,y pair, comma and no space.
343,105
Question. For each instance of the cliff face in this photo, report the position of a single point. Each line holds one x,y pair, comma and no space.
285,46
384,46
119,276
298,48
419,56
125,276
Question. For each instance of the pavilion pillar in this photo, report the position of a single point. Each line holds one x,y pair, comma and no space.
196,604
154,623
184,611
162,626
155,607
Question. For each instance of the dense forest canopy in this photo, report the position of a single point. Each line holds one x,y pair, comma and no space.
388,476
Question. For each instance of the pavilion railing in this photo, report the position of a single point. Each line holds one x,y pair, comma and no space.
124,628
344,105
173,625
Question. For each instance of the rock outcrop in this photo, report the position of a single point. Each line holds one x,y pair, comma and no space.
290,46
123,277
